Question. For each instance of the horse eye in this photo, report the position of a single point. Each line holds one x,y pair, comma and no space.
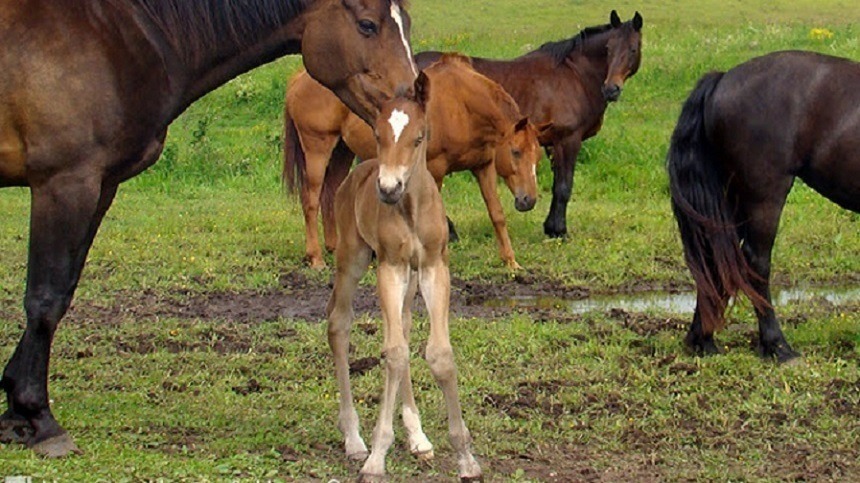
367,27
517,153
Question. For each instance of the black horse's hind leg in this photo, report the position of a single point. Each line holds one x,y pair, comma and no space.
65,214
563,166
697,340
759,236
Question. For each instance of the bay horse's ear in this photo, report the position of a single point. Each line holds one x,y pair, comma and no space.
544,130
637,22
614,19
521,124
422,90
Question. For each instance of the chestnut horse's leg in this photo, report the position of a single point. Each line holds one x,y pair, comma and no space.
318,149
393,285
353,258
759,234
419,445
65,215
435,282
486,176
564,155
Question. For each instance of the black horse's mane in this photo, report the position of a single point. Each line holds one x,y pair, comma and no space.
559,50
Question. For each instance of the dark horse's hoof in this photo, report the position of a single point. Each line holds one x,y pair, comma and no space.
553,231
781,351
56,447
702,345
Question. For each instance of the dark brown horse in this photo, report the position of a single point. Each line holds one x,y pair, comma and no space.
742,138
89,88
569,84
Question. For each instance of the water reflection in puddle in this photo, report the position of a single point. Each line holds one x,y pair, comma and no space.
679,303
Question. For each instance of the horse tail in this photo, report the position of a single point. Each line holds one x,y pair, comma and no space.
295,166
709,231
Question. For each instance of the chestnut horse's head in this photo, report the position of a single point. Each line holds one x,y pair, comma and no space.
624,53
516,162
401,135
360,50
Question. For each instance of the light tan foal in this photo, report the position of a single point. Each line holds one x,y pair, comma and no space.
391,206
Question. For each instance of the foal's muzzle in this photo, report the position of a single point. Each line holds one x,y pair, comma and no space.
389,194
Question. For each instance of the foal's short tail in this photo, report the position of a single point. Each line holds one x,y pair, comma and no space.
294,156
709,232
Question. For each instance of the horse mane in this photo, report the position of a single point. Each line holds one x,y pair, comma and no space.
559,50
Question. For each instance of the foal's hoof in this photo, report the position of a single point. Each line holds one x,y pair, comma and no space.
358,456
56,447
365,478
424,455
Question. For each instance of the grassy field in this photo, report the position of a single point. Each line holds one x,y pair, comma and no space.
163,393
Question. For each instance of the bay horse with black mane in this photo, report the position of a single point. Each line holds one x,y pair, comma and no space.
742,138
89,88
569,84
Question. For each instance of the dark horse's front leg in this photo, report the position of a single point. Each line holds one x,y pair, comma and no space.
564,155
65,214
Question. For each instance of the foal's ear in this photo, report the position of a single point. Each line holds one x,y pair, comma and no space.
521,124
637,22
422,90
614,19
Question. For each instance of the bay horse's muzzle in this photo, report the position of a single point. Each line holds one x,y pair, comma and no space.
611,92
390,194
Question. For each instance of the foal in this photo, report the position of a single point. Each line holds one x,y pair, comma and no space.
391,206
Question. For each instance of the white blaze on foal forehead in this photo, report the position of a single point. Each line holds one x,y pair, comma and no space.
398,121
398,19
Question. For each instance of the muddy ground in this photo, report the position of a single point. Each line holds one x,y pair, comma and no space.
301,298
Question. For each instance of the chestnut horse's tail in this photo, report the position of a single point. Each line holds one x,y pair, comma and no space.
294,156
709,231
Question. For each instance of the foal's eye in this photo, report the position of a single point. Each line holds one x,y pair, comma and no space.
517,153
367,27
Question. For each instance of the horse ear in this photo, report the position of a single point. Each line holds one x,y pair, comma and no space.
422,90
544,130
521,124
614,19
637,22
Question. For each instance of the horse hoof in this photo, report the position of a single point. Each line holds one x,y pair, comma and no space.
318,265
424,455
465,479
56,447
358,456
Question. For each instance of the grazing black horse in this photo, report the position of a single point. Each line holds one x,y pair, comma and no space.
742,138
87,91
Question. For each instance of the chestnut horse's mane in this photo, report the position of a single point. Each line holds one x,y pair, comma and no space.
559,50
504,101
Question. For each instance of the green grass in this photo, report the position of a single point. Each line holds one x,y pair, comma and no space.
211,217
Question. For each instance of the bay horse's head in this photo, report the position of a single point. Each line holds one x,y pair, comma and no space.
401,135
624,53
360,50
516,162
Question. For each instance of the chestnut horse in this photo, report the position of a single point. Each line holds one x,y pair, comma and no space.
391,206
741,140
568,84
89,88
476,126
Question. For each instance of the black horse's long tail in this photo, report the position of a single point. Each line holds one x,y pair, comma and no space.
709,231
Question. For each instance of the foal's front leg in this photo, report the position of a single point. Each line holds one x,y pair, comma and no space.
393,283
436,289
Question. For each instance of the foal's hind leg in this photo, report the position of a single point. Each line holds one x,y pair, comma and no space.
352,262
436,289
393,282
759,235
419,445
